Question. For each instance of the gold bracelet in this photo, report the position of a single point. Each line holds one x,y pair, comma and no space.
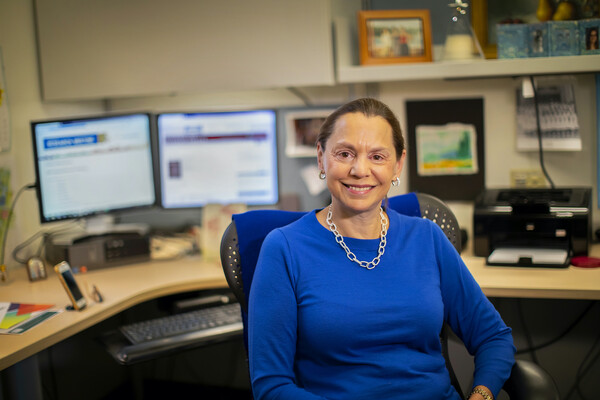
482,392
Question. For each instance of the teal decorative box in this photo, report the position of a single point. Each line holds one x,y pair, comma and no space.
588,36
512,40
564,38
538,40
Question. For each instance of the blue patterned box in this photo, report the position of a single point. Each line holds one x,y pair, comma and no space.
538,40
588,36
512,40
564,38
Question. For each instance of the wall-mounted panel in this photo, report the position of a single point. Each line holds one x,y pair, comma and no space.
117,48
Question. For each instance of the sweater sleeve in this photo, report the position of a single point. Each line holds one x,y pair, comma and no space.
473,318
272,324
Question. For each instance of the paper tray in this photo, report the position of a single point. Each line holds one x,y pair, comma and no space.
529,257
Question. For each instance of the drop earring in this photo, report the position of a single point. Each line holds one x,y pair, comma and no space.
396,182
322,175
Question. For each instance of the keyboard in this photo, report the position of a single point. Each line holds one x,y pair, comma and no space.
178,331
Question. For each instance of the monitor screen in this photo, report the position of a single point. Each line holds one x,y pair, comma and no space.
93,165
222,158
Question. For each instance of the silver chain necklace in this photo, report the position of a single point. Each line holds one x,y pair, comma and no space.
340,240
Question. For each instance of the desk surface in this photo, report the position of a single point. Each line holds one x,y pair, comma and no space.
126,286
122,287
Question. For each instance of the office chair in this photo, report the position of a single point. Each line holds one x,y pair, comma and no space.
243,238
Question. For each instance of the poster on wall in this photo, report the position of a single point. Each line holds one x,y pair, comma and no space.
559,124
446,147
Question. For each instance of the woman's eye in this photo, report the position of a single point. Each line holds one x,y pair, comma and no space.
378,157
344,154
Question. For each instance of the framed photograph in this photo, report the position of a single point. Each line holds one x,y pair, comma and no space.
564,38
301,131
588,36
512,40
538,40
394,36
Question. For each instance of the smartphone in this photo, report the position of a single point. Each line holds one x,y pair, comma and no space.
68,281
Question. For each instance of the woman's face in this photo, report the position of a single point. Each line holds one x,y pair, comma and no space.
360,162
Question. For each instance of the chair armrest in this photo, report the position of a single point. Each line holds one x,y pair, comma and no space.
530,381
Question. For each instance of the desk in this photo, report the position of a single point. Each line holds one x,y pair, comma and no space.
542,283
126,286
122,288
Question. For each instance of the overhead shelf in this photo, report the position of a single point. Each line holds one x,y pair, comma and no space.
347,70
468,69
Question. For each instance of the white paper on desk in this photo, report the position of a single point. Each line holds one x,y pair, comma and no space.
511,256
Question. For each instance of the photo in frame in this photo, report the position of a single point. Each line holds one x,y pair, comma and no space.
588,36
446,147
538,40
394,36
301,130
564,38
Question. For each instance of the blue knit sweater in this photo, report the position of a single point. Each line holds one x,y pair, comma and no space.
320,326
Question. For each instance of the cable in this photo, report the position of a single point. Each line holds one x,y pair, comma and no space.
26,243
46,235
563,334
526,332
583,370
539,132
7,222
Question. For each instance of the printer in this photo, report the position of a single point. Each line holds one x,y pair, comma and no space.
532,227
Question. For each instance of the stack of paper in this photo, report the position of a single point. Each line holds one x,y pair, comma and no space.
17,318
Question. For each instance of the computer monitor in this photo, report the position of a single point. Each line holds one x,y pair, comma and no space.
217,157
93,166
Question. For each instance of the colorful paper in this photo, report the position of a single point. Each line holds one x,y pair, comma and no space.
16,315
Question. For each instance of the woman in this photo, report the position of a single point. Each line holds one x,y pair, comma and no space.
348,301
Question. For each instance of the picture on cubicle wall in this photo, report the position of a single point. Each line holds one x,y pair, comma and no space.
301,130
446,147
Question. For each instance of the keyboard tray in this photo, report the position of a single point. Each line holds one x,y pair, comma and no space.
125,352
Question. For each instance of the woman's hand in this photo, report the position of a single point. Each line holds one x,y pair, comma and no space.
481,392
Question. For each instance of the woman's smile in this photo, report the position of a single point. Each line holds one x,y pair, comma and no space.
359,189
